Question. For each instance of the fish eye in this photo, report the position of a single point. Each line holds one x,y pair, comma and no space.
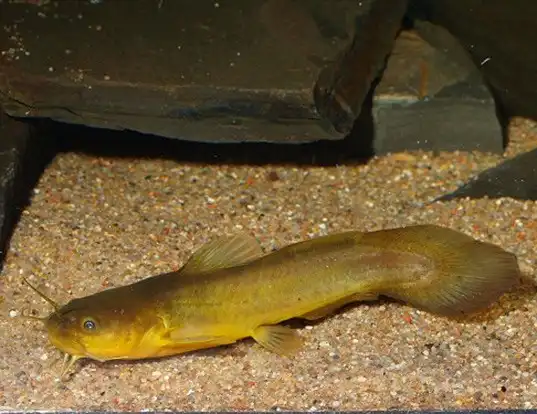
89,324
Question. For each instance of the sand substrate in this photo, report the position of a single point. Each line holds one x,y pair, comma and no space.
98,222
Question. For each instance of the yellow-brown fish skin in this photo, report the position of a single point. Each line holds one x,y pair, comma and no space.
229,290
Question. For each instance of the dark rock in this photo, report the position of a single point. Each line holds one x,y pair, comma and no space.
279,71
22,160
499,36
515,178
342,87
460,117
242,71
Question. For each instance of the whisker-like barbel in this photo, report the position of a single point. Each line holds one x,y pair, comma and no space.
55,305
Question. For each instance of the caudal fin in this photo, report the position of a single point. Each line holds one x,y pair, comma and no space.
466,275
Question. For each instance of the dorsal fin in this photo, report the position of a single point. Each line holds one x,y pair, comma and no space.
223,252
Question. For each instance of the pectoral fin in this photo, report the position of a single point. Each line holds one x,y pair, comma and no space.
222,253
278,339
333,307
321,312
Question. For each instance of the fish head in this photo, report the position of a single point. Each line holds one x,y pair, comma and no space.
102,326
88,328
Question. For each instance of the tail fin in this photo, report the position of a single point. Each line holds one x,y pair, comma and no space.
466,275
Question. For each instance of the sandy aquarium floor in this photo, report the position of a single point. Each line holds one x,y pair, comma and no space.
97,222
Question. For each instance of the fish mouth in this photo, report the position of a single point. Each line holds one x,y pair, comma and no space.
69,346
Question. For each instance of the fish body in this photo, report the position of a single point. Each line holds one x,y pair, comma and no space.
230,290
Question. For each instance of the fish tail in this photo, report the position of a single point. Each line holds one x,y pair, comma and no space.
465,275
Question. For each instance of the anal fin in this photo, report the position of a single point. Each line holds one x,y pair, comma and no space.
331,308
